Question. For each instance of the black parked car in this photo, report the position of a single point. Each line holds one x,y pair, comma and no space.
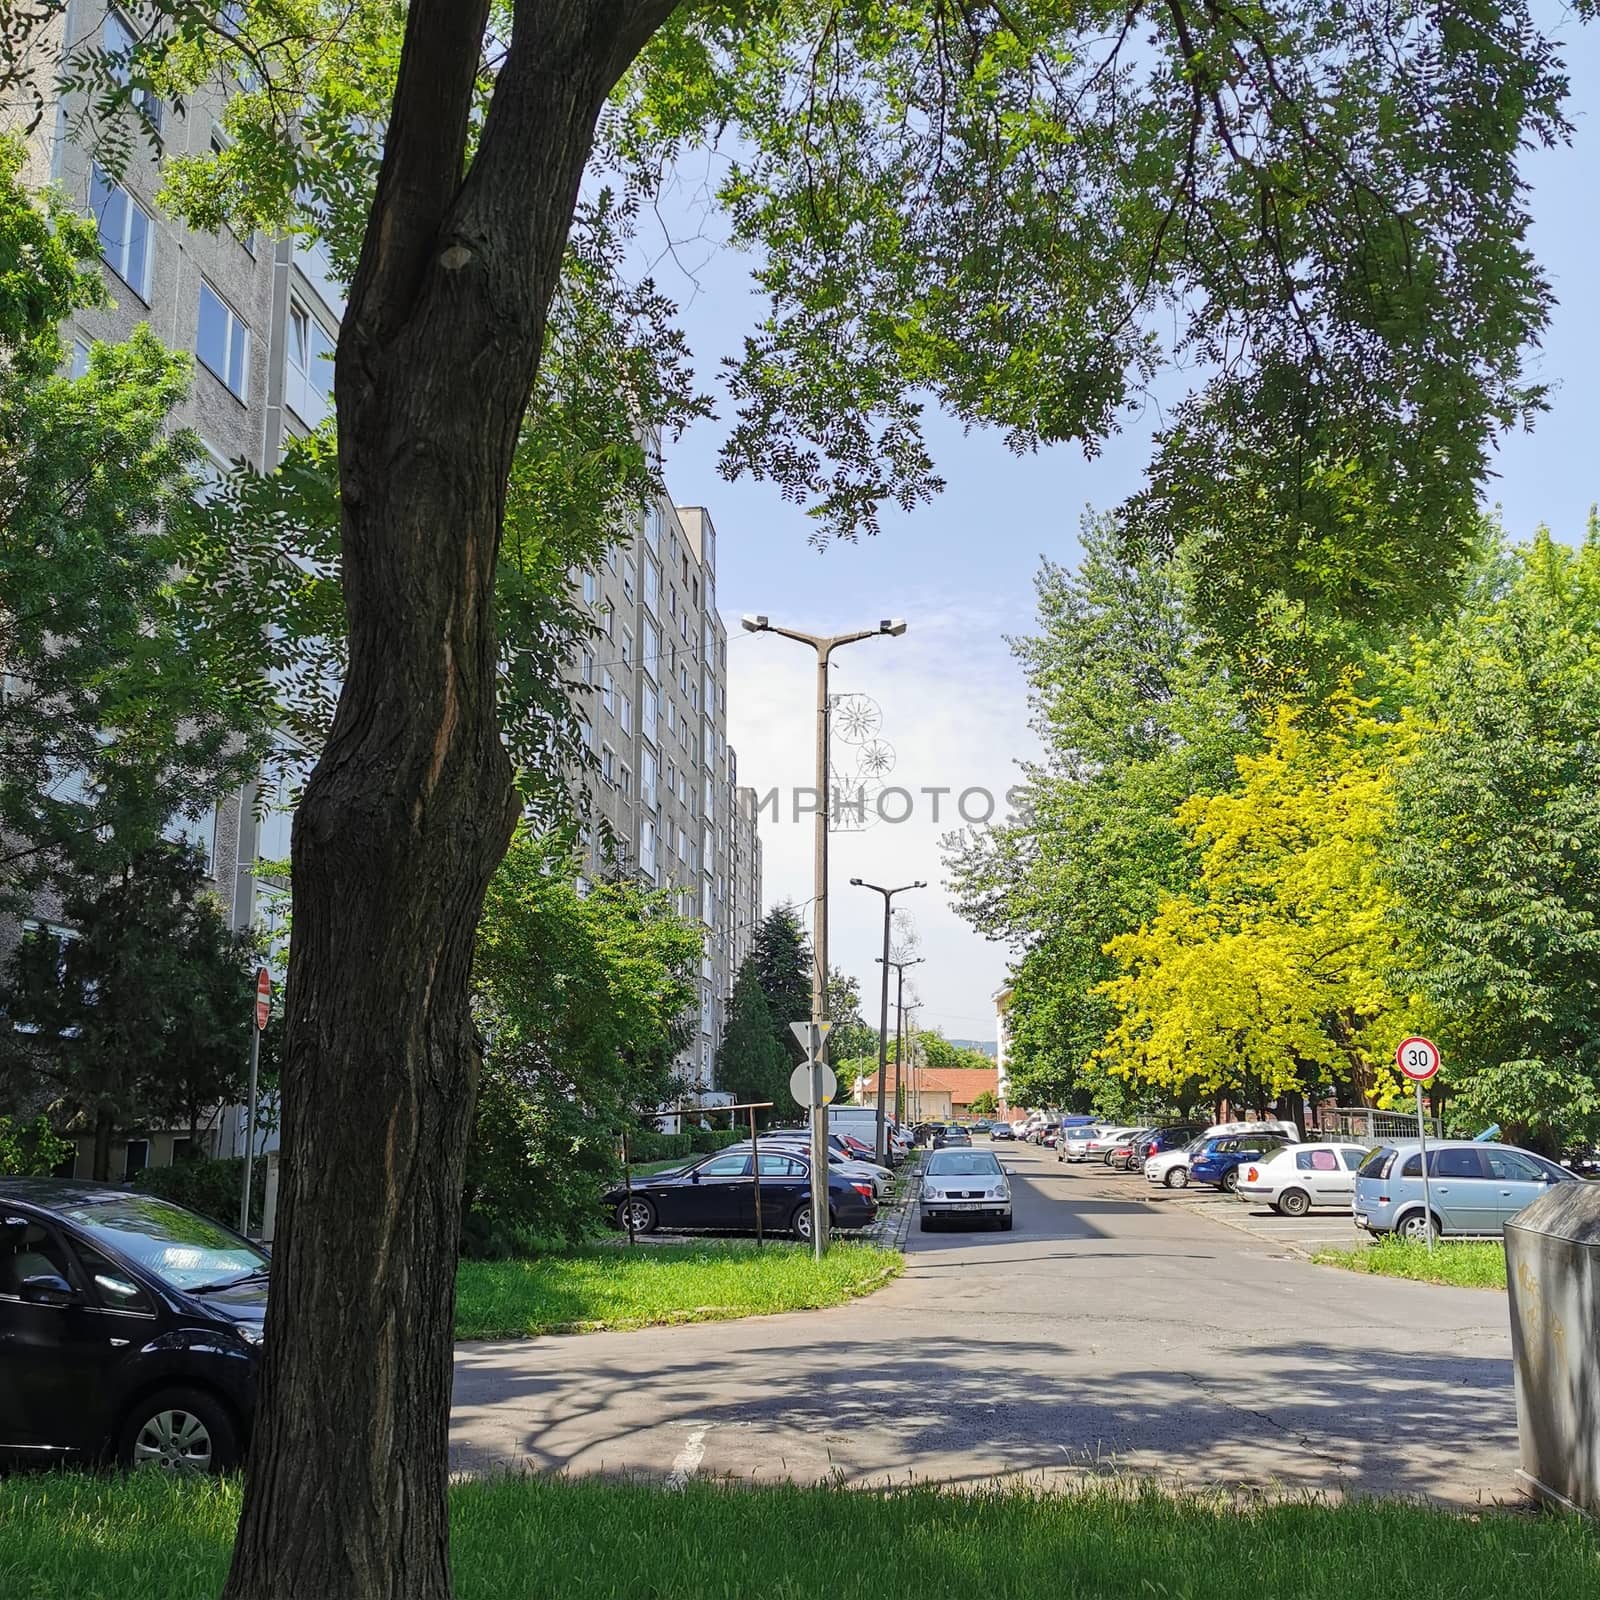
129,1328
717,1195
951,1137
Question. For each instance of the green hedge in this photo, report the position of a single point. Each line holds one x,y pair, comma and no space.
648,1145
210,1187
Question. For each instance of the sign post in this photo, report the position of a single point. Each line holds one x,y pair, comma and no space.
813,1085
263,1005
1418,1059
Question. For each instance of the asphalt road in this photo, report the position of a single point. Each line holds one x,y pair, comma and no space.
1108,1332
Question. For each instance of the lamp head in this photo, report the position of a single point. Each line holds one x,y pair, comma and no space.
754,624
856,882
893,626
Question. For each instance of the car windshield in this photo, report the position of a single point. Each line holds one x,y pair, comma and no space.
182,1248
962,1164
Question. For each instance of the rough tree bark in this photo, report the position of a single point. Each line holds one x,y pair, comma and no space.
411,806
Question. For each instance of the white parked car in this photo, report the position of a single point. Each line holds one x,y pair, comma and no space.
1072,1144
1106,1136
1170,1169
1295,1179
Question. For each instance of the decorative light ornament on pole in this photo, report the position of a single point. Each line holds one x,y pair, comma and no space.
824,645
263,1009
1418,1059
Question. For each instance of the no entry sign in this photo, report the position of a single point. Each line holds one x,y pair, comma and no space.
263,996
1418,1059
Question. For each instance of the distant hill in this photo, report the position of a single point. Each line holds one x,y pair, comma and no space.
987,1046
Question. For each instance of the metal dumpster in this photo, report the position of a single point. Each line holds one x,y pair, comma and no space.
1553,1275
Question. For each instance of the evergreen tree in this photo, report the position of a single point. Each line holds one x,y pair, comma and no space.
141,1014
782,960
751,1064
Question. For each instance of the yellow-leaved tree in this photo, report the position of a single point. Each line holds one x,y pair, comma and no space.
1271,975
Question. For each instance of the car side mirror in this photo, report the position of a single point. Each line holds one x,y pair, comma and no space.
694,1177
49,1289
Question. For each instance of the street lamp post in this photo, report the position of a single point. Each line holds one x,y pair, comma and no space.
899,1016
883,1010
824,645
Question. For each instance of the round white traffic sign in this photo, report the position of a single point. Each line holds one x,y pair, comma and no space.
800,1085
1418,1059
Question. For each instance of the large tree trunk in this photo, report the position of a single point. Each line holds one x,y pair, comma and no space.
411,805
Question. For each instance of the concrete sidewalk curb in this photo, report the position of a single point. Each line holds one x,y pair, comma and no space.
894,1222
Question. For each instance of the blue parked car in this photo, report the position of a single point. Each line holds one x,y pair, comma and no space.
1475,1188
1219,1161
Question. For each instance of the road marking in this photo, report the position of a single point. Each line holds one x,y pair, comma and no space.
687,1459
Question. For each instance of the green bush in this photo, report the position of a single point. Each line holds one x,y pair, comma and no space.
648,1145
209,1187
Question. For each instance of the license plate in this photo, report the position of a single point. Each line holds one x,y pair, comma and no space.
969,1205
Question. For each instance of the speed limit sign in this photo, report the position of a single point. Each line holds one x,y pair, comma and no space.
1418,1059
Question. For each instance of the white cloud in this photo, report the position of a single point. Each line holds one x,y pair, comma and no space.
954,710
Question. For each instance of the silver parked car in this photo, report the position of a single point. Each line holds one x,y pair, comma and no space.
1475,1188
965,1186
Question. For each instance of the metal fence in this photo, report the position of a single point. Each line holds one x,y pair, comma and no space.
1375,1127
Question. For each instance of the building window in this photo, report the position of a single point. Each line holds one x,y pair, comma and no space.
625,712
647,848
608,692
80,359
308,375
672,715
608,763
627,647
585,733
591,588
652,649
200,832
138,1157
587,666
611,557
652,525
625,780
647,779
652,585
127,244
709,811
629,579
647,711
672,601
222,341
117,38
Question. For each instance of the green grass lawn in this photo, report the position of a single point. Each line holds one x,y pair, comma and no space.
1468,1263
643,1169
520,1538
611,1286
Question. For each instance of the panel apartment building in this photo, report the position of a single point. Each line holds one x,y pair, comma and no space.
259,317
662,789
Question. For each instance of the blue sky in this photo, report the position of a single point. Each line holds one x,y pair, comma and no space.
961,572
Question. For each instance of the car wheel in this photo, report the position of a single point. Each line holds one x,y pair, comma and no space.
1230,1179
1178,1178
644,1215
1294,1202
1416,1226
800,1224
184,1432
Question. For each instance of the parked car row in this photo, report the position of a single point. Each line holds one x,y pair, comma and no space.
1474,1186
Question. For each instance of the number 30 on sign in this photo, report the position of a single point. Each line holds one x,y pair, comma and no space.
1418,1059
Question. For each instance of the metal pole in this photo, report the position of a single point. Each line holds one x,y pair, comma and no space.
755,1171
883,1036
627,1186
899,1028
819,971
250,1124
1427,1196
